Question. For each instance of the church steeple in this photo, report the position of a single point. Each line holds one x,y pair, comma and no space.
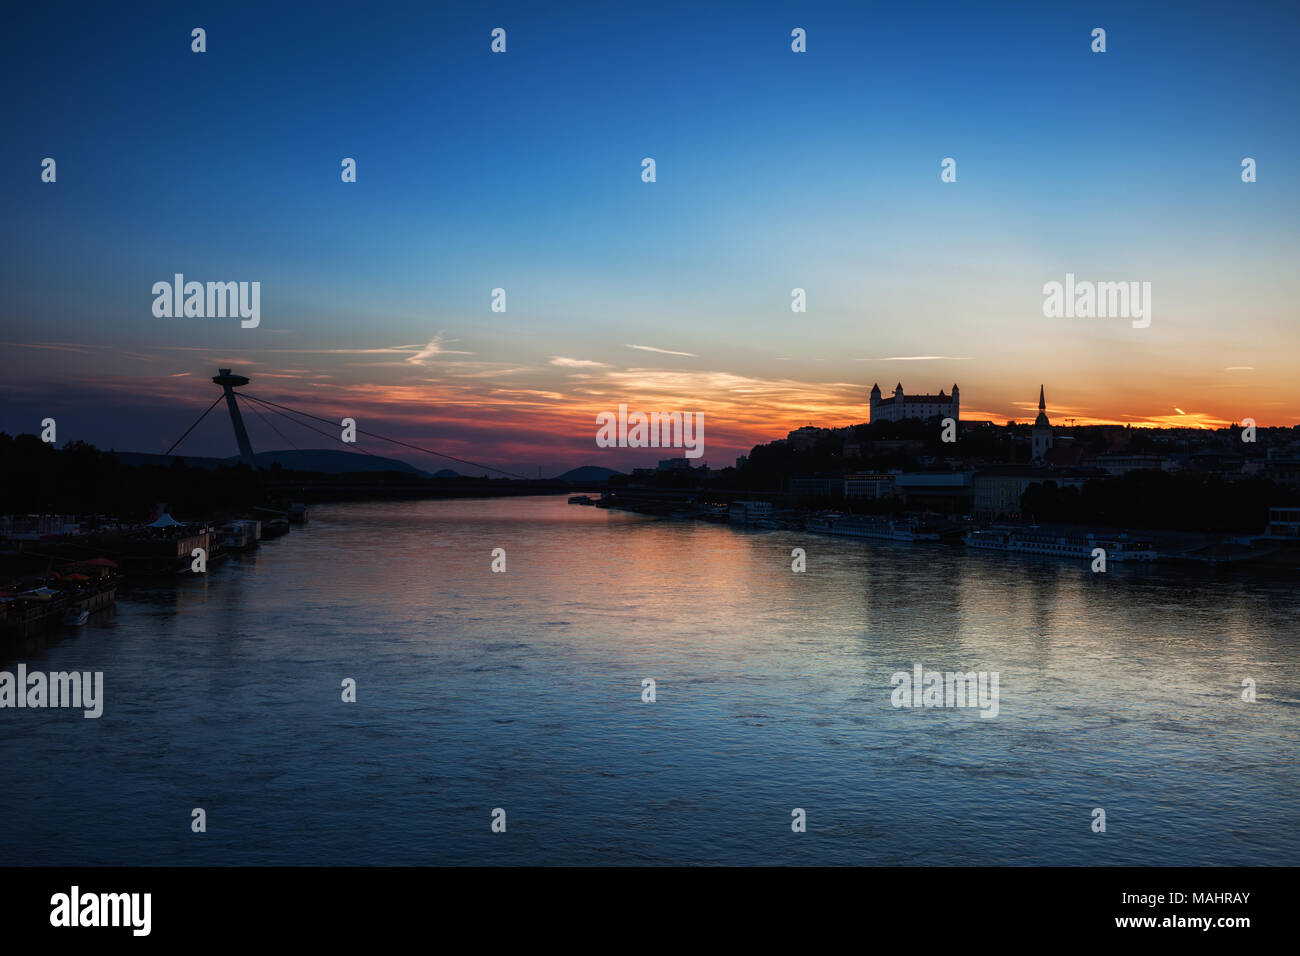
1040,435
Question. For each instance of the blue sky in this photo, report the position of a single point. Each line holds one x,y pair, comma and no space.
775,170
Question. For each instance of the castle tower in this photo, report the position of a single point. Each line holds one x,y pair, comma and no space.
875,400
956,402
1040,438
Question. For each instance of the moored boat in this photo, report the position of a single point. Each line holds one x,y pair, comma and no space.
241,535
872,526
1119,547
234,537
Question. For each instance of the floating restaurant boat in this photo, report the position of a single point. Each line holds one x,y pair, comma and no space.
1065,545
32,611
91,586
164,548
26,613
869,526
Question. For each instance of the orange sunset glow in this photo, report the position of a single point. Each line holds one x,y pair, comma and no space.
543,410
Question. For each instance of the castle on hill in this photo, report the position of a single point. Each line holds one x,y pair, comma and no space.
901,406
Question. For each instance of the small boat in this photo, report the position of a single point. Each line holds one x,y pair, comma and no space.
240,535
75,617
581,500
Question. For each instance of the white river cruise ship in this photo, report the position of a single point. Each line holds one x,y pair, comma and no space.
1036,541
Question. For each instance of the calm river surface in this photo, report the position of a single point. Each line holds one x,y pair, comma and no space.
478,690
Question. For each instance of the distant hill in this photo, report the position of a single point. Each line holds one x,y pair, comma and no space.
588,473
137,458
330,461
334,461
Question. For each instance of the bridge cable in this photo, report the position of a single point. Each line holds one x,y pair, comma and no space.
354,448
195,425
395,441
258,412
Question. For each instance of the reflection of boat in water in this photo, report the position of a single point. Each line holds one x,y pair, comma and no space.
581,500
75,617
869,526
1059,544
275,527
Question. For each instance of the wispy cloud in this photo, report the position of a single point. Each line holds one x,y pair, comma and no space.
651,348
1075,415
416,354
387,350
563,362
1181,420
432,349
918,358
1240,368
53,346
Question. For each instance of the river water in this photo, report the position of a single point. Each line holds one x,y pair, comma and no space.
522,691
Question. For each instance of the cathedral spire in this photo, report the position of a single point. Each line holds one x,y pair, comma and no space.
1041,421
1041,436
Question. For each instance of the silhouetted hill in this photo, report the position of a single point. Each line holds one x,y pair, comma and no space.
588,473
331,461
